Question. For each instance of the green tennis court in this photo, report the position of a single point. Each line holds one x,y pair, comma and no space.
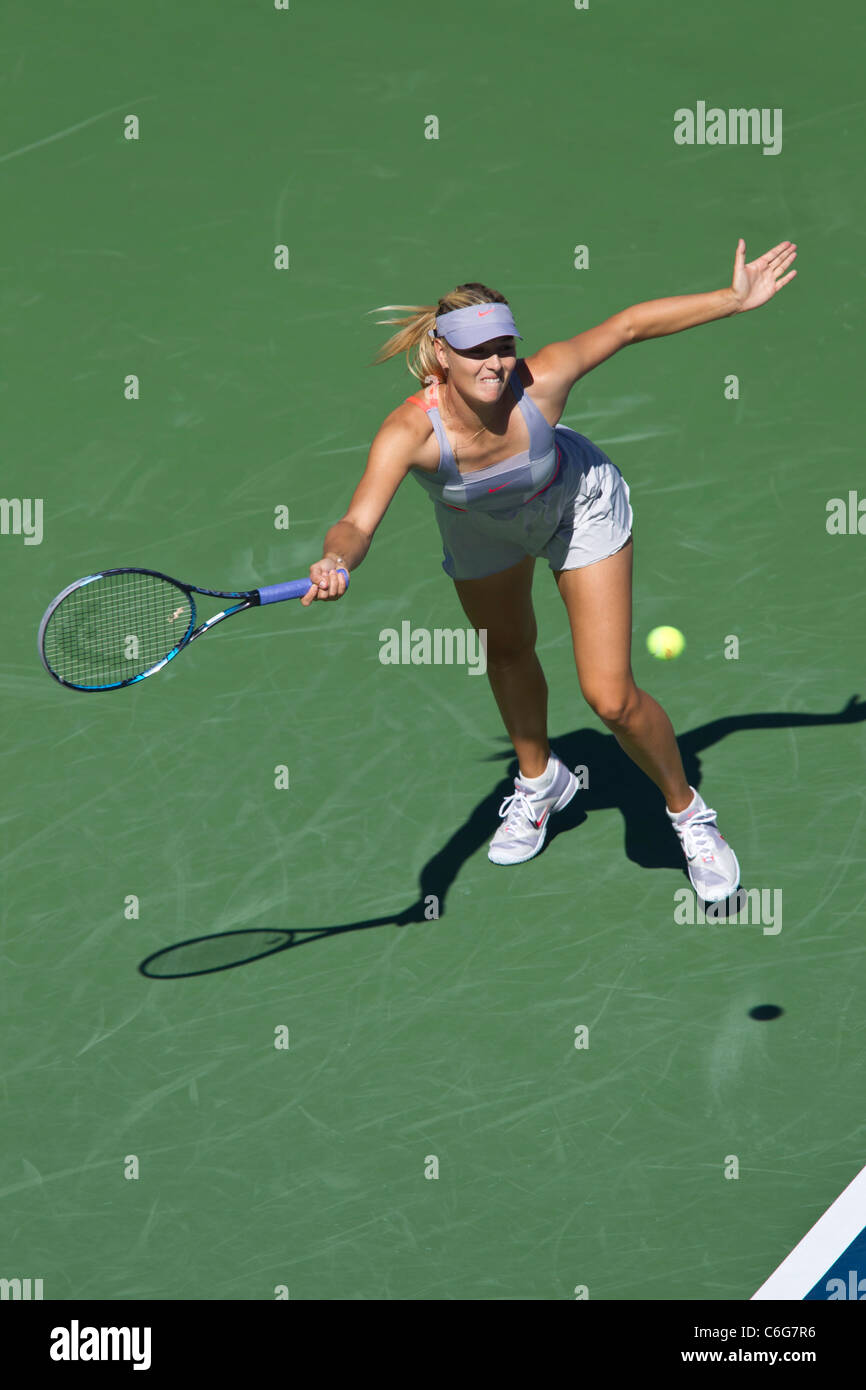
272,1024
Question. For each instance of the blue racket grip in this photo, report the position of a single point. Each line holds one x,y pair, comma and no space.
294,588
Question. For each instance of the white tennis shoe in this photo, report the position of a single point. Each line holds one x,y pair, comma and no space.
712,864
525,815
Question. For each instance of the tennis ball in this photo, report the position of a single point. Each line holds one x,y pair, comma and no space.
665,642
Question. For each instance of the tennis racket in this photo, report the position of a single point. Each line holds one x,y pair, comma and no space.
117,627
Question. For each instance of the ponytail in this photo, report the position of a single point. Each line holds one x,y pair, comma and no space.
414,338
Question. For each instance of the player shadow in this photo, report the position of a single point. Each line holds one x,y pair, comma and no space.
614,781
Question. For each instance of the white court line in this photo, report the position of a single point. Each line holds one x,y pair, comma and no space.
821,1247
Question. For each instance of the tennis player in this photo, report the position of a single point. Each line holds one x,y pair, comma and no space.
510,485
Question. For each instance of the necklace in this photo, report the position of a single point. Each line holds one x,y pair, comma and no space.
483,430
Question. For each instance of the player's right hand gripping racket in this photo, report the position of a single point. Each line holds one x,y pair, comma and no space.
117,627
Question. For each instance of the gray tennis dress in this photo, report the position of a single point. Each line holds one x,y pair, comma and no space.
562,499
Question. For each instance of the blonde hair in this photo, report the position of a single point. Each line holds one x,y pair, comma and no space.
413,337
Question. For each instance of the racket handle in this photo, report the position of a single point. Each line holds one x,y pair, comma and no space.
294,588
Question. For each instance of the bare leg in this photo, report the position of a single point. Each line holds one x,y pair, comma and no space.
598,600
502,604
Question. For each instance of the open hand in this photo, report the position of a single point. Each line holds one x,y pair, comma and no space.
755,283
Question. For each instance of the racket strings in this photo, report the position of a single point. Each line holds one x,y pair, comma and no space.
116,628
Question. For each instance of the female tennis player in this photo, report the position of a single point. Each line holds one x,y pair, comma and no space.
510,485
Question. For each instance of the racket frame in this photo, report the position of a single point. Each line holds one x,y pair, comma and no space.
250,598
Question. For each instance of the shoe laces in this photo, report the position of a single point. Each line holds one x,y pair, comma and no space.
516,805
694,838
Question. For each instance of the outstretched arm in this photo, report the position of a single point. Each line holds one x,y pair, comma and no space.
752,286
559,365
348,540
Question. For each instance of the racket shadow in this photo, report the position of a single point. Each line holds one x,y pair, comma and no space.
614,782
205,955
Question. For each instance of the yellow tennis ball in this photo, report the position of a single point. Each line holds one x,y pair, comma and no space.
665,642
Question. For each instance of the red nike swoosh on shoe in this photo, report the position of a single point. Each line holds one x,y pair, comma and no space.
540,823
498,487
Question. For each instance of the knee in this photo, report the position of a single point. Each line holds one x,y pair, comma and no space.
615,704
506,654
508,649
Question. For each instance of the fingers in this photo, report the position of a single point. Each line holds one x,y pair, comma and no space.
784,261
325,584
331,585
779,263
769,258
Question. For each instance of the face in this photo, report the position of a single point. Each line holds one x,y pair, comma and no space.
479,373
